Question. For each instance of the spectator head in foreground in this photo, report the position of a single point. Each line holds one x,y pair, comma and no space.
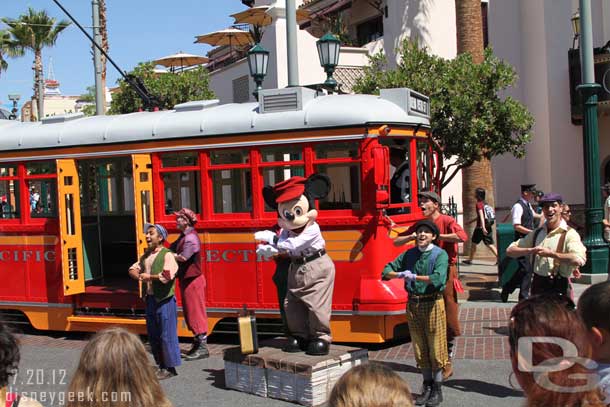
567,382
115,368
370,385
594,309
9,364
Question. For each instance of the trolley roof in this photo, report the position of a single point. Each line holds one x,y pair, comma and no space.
280,109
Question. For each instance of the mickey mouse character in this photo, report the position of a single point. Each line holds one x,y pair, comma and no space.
311,274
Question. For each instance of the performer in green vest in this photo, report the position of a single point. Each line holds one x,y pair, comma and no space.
157,268
424,270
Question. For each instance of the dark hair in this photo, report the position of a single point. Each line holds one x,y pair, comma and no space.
9,355
594,306
479,193
550,315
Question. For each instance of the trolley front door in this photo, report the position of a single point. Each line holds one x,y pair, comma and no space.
143,195
70,227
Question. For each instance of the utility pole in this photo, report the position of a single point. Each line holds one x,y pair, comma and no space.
291,43
597,249
97,60
40,85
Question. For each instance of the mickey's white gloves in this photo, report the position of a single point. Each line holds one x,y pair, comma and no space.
265,236
266,250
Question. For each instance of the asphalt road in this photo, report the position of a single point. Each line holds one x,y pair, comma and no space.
45,372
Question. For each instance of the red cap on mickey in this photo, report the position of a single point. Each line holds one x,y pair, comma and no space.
289,189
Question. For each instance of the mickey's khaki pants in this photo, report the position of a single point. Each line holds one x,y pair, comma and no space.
308,303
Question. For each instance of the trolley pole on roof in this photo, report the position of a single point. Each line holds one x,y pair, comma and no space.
100,109
291,43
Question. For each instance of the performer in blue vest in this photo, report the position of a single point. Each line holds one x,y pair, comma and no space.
523,216
157,268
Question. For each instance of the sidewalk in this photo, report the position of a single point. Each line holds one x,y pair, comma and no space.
480,280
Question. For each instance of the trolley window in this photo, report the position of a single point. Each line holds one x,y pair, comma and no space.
341,162
230,174
280,163
180,175
106,187
424,166
9,191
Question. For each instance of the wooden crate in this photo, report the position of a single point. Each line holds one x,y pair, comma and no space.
296,377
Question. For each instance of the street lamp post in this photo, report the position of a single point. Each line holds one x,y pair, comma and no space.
14,98
258,59
597,249
329,48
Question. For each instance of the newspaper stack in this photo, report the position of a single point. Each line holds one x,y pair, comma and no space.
296,377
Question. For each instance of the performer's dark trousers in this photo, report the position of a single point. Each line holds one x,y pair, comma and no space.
547,285
161,324
522,279
280,279
452,309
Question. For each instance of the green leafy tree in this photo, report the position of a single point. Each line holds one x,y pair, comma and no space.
89,97
170,88
8,48
469,119
34,31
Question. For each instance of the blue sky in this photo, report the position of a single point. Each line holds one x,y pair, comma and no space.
138,30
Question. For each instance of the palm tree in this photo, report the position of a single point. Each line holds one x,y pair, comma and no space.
104,33
33,31
7,48
469,25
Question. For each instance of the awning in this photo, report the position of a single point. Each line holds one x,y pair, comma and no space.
330,8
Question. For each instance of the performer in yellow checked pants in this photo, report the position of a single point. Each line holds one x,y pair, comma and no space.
424,269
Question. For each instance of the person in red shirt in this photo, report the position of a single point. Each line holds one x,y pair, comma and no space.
483,231
451,233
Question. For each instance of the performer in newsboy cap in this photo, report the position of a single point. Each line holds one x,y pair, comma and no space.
424,270
555,249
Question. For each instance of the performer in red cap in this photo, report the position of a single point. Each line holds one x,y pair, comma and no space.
311,274
187,252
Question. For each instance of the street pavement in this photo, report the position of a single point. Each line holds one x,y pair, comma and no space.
482,366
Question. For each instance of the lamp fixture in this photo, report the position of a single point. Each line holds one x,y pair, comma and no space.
329,48
258,60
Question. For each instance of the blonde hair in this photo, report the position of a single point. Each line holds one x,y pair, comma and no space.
114,371
370,385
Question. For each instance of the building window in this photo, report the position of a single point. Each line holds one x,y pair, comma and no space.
370,30
241,89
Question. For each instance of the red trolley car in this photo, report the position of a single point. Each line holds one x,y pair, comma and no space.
75,192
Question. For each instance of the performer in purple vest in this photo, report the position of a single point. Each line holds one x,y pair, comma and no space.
187,251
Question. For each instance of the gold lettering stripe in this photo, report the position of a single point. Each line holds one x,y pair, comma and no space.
28,240
347,237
